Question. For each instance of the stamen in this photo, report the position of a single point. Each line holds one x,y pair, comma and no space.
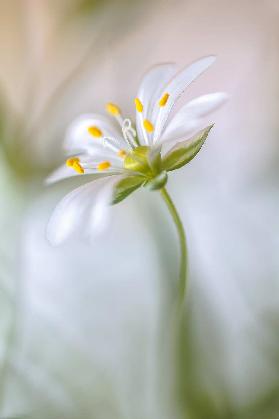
95,131
113,109
74,163
148,125
78,168
71,161
122,154
139,105
104,165
163,100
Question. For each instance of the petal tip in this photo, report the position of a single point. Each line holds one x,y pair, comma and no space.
211,57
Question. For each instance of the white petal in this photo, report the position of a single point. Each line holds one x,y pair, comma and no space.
149,90
181,132
98,214
64,172
78,139
188,118
177,86
203,105
82,210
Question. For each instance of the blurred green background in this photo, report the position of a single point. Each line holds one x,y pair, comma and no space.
85,330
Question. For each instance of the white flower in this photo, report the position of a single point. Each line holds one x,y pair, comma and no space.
129,157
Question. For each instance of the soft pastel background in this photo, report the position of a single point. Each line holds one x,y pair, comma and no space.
84,327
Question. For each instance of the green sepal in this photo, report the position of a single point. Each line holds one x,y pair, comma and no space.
157,182
154,159
125,187
185,151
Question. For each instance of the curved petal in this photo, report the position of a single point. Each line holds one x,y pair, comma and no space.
78,138
149,90
188,118
205,104
85,209
65,172
182,132
176,87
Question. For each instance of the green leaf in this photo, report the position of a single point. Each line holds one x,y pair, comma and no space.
125,187
185,151
157,182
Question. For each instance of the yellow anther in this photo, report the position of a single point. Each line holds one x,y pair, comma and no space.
164,99
139,105
122,154
78,168
70,162
113,109
148,125
104,165
95,131
74,163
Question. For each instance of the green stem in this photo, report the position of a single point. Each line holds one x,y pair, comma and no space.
182,243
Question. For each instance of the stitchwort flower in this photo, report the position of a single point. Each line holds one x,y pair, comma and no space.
128,156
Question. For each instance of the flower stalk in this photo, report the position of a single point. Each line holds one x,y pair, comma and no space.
183,270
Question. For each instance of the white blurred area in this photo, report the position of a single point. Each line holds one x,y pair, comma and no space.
85,316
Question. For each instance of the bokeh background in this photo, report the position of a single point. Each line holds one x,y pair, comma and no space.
85,329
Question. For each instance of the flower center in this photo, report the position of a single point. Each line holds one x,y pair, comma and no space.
139,161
